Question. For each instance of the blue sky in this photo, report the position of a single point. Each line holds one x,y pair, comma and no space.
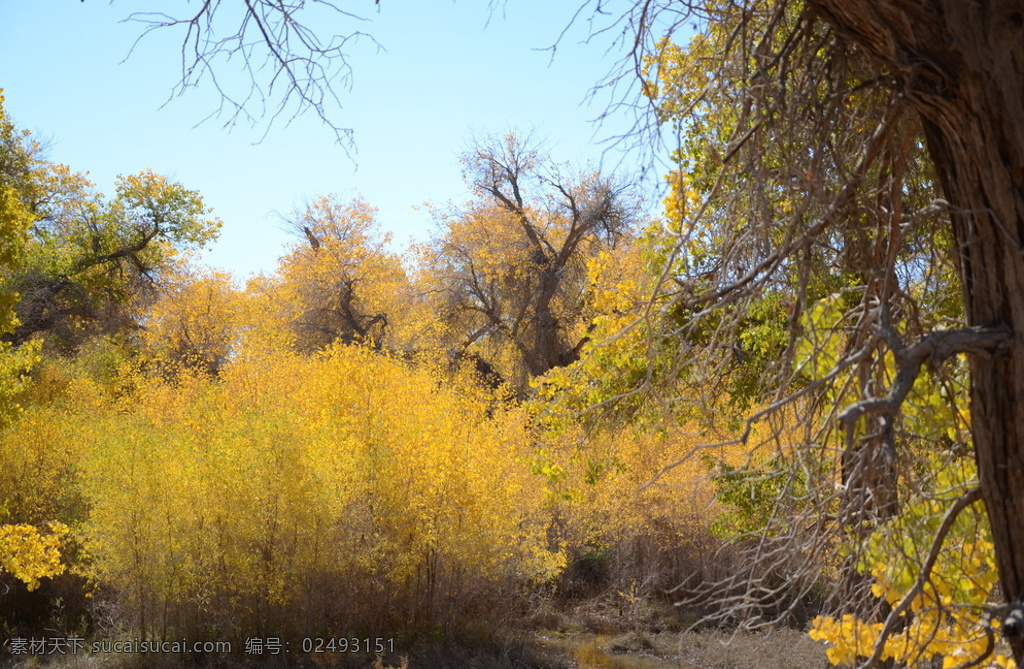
450,71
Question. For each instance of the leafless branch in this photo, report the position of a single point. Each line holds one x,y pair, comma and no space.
288,66
932,348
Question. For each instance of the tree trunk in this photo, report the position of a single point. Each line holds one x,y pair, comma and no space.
961,66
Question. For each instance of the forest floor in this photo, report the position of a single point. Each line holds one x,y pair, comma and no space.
603,633
606,632
653,635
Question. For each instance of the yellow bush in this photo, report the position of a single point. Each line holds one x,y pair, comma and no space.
39,452
29,555
322,494
643,500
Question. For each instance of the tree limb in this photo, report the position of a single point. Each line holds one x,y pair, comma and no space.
893,619
933,348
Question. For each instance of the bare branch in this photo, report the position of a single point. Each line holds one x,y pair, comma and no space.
932,348
288,65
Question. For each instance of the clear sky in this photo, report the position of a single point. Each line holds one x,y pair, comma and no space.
450,71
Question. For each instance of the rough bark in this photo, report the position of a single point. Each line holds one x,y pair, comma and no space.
960,65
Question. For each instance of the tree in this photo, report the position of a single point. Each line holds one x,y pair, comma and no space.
954,69
194,323
17,158
953,66
959,67
341,283
511,268
87,258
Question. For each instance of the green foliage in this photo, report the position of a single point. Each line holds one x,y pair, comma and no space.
148,221
87,261
750,492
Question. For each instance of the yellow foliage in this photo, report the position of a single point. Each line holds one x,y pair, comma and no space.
29,555
624,483
947,618
39,453
344,285
508,274
295,480
16,151
195,323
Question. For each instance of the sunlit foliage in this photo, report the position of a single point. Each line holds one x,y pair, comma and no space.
17,164
508,270
28,555
342,282
195,322
944,610
347,444
298,490
90,261
801,298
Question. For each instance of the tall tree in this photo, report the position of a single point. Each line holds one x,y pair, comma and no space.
341,282
511,266
18,153
960,67
88,257
956,69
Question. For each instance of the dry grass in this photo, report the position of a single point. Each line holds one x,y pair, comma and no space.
781,649
707,649
614,630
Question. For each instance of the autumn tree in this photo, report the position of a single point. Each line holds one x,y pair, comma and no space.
73,259
959,67
87,257
195,322
17,158
510,269
341,282
825,107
